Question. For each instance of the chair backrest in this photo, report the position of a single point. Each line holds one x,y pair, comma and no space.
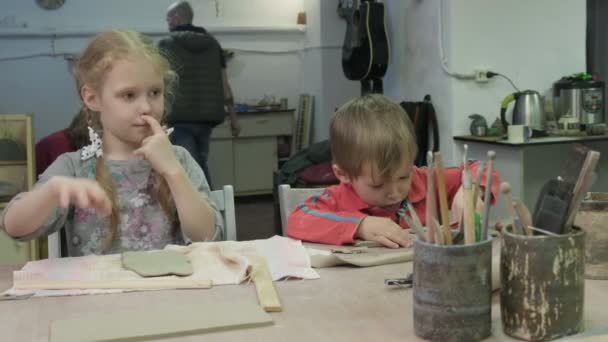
290,198
224,199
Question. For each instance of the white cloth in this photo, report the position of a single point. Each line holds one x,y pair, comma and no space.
222,263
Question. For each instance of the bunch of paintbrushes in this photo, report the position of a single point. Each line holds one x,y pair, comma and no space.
474,232
440,233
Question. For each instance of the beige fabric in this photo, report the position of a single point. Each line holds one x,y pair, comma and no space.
221,263
168,322
157,263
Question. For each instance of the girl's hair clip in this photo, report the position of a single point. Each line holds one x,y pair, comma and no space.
94,148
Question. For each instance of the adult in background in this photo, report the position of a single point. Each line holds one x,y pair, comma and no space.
203,97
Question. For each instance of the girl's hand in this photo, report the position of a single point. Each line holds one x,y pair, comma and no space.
158,150
82,193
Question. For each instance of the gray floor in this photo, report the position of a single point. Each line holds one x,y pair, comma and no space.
255,217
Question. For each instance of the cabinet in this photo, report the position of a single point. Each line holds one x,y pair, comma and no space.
16,175
527,166
248,161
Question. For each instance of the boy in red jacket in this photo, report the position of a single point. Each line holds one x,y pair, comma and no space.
373,149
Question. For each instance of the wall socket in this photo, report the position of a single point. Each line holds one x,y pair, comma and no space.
480,75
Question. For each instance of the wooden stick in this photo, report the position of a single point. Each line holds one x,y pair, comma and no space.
524,216
505,188
142,284
430,200
476,186
469,211
546,232
443,199
465,158
414,223
487,196
439,231
267,294
581,185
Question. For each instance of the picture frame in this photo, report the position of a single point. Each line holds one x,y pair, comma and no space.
16,155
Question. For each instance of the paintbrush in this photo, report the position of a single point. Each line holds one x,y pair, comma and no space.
476,186
431,234
505,188
413,222
542,231
464,168
468,210
524,216
443,199
487,196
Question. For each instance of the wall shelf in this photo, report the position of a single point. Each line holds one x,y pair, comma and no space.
12,162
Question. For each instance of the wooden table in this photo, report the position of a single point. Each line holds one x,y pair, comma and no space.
346,304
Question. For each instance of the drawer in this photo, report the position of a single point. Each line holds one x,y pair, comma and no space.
222,131
271,124
258,125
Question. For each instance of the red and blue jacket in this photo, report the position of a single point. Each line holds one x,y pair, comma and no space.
334,216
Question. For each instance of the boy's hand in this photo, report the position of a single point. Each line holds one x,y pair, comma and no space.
83,193
384,231
157,149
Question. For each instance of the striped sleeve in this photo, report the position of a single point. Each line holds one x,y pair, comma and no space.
320,219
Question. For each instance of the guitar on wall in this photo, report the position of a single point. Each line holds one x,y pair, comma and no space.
366,48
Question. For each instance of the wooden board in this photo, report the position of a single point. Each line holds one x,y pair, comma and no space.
166,322
135,284
267,294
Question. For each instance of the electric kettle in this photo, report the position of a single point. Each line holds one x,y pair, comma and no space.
528,110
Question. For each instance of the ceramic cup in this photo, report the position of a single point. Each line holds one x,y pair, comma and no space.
518,133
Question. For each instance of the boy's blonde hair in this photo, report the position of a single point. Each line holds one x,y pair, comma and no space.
371,129
91,69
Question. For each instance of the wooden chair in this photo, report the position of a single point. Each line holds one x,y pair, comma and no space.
290,198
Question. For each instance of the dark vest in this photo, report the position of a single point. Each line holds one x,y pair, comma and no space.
199,96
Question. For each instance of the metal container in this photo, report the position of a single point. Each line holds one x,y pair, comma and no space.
581,99
543,285
453,291
528,110
593,215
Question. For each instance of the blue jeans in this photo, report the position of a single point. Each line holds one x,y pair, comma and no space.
194,138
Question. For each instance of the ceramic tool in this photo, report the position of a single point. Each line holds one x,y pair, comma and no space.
551,209
416,220
438,231
582,184
406,282
430,200
413,222
542,231
524,216
505,188
487,195
469,210
443,199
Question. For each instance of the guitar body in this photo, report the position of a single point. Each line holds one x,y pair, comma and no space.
378,37
365,53
356,50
